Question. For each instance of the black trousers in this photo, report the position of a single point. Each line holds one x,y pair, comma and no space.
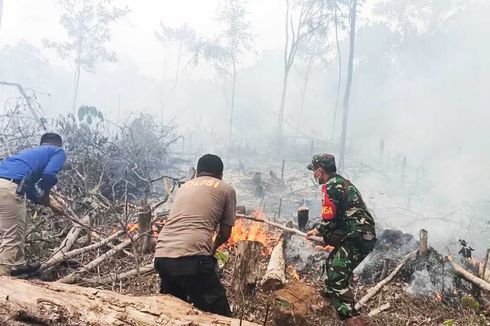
194,279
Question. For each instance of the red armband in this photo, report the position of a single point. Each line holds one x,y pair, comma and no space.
328,207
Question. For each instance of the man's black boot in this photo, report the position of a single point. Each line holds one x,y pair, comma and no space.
25,270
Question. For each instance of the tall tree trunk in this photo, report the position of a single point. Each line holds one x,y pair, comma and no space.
339,82
76,82
162,88
303,92
232,105
352,37
287,67
1,12
164,97
280,116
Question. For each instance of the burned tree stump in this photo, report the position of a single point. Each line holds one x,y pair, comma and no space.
145,240
245,272
275,276
241,209
294,303
423,247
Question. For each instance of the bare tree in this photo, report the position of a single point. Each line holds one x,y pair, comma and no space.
226,51
185,39
87,25
28,101
237,38
338,19
302,18
350,67
1,13
314,51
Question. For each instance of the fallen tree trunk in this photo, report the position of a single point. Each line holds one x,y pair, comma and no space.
474,266
110,245
372,292
379,310
62,304
73,278
68,242
460,271
116,277
80,251
275,275
245,272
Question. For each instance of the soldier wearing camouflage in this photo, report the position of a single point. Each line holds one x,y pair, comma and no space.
348,226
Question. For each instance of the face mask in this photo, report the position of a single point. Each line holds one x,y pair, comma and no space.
317,174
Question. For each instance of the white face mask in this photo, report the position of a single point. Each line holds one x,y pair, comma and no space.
317,174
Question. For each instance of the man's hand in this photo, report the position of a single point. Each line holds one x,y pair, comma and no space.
223,235
312,233
56,207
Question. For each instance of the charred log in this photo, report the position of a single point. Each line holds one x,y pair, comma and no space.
275,276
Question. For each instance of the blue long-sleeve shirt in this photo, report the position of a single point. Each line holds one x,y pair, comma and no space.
40,164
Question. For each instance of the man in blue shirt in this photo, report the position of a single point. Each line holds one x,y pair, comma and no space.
28,174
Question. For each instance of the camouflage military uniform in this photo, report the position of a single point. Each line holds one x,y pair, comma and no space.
349,227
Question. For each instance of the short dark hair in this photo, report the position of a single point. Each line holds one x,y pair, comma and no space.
211,164
51,138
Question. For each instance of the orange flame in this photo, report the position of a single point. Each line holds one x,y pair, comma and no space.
252,231
295,275
326,248
133,227
258,213
155,228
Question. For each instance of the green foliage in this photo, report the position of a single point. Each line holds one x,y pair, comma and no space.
88,113
223,257
449,322
87,26
226,49
482,319
469,302
184,35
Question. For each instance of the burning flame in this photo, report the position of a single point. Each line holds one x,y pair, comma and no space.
258,213
326,248
244,230
295,275
133,227
155,228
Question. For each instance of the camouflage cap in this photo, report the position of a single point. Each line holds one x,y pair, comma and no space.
324,160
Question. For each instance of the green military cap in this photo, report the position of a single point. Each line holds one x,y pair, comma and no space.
324,160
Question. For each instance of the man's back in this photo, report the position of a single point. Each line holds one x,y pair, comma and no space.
40,163
18,166
200,206
352,213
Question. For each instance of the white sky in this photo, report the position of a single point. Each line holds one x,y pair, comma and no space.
34,20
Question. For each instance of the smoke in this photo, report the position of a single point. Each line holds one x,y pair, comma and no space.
418,125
